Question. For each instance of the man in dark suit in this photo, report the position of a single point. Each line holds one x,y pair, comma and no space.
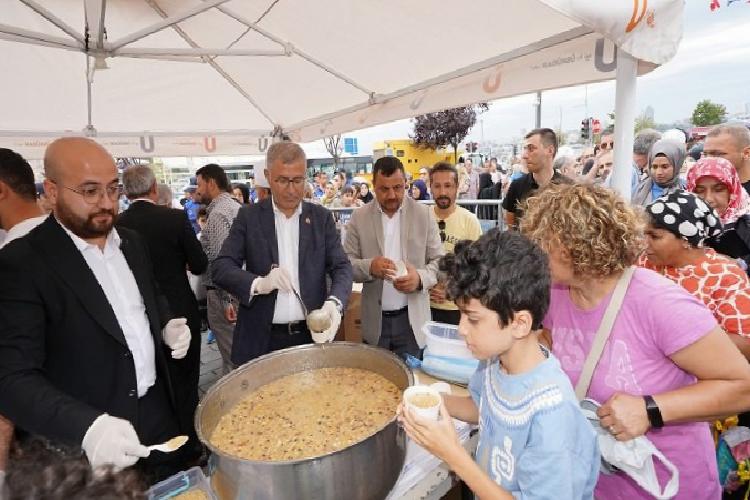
174,248
288,248
84,335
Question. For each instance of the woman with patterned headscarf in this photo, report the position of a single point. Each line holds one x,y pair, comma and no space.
715,180
664,162
680,224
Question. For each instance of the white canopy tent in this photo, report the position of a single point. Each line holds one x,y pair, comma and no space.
191,77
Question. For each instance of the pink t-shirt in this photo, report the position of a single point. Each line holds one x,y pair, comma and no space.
657,319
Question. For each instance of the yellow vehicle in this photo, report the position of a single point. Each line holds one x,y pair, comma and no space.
412,156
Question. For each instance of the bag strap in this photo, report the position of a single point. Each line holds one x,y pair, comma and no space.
602,334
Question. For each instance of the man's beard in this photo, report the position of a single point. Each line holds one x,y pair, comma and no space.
86,228
443,202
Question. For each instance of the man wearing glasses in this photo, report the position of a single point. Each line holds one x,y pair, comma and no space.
84,334
394,248
288,248
455,224
607,141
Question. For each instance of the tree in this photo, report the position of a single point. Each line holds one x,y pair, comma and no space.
642,122
708,113
446,128
335,148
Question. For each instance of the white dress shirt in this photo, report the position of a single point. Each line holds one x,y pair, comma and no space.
392,299
22,229
116,279
288,309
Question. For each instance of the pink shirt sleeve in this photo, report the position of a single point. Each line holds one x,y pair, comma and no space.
677,318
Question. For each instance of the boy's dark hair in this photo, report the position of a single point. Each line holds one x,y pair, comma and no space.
16,172
387,166
504,270
38,471
547,136
444,166
215,172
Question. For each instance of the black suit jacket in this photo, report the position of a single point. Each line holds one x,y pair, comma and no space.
173,247
252,242
63,356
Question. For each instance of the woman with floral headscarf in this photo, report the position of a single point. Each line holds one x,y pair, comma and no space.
715,180
679,226
664,162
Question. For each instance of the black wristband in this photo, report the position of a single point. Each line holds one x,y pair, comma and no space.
653,412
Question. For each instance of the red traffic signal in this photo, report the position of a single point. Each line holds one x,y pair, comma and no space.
596,126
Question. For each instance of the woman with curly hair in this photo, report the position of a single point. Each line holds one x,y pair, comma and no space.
666,367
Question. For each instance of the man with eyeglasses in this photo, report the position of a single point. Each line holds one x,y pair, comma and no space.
288,248
84,334
454,224
214,190
539,150
607,141
394,248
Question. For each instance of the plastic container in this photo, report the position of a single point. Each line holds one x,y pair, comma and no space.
182,482
443,340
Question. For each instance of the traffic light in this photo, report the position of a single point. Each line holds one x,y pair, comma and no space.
586,129
471,147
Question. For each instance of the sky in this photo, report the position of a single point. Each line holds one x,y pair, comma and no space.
712,62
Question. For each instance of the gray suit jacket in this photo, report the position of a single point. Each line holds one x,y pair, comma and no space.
420,246
252,243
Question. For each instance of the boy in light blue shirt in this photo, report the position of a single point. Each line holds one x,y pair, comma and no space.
534,442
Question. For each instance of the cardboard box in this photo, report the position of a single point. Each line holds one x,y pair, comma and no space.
351,325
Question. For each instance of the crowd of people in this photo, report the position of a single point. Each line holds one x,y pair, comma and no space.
639,308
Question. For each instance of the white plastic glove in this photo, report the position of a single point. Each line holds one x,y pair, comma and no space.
112,441
177,336
277,279
332,309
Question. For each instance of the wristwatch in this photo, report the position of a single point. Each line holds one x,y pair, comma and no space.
653,412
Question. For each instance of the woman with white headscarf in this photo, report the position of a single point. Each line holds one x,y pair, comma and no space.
664,162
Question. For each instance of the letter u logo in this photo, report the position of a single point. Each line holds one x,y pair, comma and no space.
599,62
209,144
492,82
147,143
262,144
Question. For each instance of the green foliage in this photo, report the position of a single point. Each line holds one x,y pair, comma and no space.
707,113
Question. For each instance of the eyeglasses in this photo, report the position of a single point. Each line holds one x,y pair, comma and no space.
607,145
93,194
441,226
285,181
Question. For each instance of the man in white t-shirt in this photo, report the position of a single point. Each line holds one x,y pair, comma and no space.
19,211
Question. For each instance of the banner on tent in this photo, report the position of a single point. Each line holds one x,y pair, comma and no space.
587,59
149,146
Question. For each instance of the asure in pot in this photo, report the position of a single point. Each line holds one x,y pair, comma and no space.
318,321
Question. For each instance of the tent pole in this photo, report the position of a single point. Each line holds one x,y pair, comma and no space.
14,34
89,131
625,103
53,19
165,23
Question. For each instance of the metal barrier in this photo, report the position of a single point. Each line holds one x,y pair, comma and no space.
342,214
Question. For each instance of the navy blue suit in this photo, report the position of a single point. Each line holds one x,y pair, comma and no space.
252,242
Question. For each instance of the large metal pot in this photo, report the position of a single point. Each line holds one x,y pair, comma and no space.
366,470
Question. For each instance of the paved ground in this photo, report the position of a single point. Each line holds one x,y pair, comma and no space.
211,370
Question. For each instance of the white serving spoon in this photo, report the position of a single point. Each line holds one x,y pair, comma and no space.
171,445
